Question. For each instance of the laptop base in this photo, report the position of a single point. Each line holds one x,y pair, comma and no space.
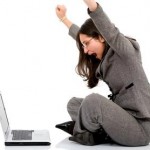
27,143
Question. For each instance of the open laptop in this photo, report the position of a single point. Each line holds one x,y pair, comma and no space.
21,137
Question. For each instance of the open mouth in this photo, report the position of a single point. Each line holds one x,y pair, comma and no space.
94,54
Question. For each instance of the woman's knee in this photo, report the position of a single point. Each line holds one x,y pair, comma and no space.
92,101
74,102
91,112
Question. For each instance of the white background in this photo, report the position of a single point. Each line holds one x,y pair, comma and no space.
38,58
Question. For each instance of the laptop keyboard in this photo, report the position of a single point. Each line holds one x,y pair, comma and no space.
22,134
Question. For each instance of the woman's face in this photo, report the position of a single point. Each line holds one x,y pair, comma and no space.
93,46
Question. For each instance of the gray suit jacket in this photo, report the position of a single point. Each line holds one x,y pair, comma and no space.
121,68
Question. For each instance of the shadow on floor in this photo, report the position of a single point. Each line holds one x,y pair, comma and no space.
69,145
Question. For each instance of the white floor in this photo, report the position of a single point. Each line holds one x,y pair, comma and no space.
37,76
60,141
66,145
38,111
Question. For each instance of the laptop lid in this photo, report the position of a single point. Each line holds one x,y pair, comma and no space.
3,118
40,137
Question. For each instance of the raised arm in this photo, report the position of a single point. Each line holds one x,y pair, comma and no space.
61,14
117,41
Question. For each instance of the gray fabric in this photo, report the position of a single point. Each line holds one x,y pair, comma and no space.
119,68
73,107
96,110
73,31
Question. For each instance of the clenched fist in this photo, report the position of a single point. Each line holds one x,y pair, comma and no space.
61,11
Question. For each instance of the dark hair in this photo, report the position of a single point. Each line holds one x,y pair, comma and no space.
87,64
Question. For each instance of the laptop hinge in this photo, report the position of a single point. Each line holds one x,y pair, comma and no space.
7,133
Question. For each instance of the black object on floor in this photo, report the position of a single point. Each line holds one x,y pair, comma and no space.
66,126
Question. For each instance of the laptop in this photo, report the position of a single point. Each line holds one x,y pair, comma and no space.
21,137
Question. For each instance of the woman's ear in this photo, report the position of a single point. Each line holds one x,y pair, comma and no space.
102,40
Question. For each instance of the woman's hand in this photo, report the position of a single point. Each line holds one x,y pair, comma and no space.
61,11
61,14
92,5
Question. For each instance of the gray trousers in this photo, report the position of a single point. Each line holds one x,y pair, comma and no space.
95,110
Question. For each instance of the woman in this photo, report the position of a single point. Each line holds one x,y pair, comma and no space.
106,54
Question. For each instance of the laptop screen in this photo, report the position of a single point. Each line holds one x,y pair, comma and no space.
3,117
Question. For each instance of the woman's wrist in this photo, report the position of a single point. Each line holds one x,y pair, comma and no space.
66,21
63,19
92,4
93,7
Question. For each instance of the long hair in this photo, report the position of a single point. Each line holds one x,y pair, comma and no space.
87,64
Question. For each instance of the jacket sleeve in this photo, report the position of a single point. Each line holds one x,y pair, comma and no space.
116,40
73,30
